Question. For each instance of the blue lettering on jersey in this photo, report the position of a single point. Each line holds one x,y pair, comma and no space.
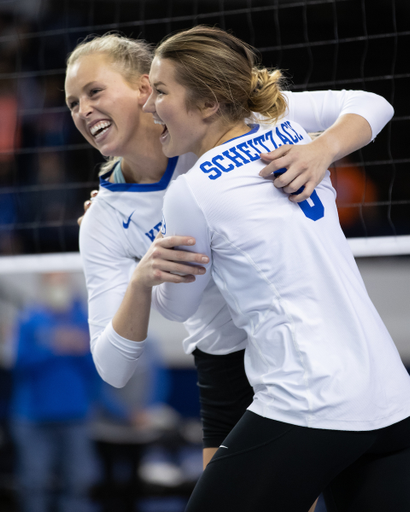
288,125
258,141
314,211
243,147
215,160
240,154
235,157
127,224
163,227
151,233
269,136
250,144
249,151
283,137
206,169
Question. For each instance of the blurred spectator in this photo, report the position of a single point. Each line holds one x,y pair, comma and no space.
9,127
10,136
54,386
355,194
136,431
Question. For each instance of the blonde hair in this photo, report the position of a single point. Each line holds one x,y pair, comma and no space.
214,66
132,57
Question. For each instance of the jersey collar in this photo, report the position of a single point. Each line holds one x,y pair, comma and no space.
162,184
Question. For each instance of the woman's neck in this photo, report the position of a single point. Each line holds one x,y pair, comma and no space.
145,163
223,134
144,168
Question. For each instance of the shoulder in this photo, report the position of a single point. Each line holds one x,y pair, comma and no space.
178,188
182,197
98,219
100,232
186,162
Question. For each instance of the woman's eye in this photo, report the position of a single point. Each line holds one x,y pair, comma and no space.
94,91
72,104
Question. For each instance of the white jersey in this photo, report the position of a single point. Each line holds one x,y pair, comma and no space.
318,354
125,218
115,234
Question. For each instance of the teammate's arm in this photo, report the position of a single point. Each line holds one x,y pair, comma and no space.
162,263
178,303
307,164
348,119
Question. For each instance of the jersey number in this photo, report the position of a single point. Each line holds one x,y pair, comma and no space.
313,209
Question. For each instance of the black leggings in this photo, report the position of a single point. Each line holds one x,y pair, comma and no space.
266,465
225,393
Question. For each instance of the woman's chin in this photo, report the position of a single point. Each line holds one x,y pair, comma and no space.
108,151
169,152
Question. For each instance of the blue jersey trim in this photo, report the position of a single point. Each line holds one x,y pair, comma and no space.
255,128
162,184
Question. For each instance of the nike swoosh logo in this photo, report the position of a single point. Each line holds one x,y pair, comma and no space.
126,224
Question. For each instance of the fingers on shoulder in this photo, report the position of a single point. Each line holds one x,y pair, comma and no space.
303,195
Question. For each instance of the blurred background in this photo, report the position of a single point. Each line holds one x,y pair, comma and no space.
47,169
139,448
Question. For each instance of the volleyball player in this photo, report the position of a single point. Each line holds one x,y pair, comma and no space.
331,407
106,86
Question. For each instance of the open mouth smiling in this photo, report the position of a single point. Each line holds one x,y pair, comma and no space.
99,128
165,130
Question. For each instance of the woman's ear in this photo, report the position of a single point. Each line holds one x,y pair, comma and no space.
209,108
144,88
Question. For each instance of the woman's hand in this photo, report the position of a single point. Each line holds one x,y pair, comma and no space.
163,263
305,165
156,267
87,205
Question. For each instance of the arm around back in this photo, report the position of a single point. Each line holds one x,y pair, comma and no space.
182,215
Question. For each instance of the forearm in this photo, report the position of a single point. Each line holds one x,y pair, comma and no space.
107,268
307,164
318,110
131,319
348,134
115,356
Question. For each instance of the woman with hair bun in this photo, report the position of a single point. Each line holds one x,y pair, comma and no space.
331,407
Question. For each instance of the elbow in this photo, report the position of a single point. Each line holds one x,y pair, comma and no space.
385,113
117,381
386,109
108,372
